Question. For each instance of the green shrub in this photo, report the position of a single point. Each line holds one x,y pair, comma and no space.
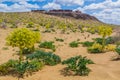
35,65
58,39
108,40
98,40
28,50
28,67
118,50
78,64
47,31
117,57
7,67
47,45
53,30
95,48
74,44
20,68
30,25
47,57
87,43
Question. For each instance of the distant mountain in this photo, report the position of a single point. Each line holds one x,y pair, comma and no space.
68,13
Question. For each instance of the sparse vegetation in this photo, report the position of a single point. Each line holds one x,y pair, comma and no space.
7,67
16,67
95,48
74,44
108,40
117,49
47,45
78,64
87,43
30,25
47,57
28,67
110,47
59,39
33,53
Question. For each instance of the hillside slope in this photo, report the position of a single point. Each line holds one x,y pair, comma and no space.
44,20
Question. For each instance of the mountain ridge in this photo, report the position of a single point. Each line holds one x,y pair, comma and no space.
68,13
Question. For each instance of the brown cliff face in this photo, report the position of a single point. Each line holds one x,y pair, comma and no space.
68,13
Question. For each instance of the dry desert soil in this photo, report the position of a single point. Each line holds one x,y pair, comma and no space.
103,69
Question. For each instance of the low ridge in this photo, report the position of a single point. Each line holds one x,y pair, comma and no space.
68,13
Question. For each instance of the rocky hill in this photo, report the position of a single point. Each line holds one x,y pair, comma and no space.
68,13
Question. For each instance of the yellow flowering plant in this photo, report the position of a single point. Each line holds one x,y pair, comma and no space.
23,38
95,48
110,47
104,31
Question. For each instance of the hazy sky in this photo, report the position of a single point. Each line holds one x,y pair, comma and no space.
105,10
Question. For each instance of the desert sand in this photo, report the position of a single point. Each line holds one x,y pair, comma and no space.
103,69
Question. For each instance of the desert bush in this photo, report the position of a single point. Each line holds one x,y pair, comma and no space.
20,68
53,30
108,40
35,65
27,50
7,67
91,30
110,47
74,44
118,50
87,43
98,40
14,25
47,45
47,57
47,31
30,25
78,64
63,27
23,38
47,26
117,57
58,39
28,67
95,48
104,31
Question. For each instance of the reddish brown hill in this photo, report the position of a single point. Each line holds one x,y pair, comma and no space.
68,13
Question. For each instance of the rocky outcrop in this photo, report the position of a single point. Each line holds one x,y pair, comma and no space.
68,13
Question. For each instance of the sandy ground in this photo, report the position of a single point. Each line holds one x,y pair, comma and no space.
103,69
